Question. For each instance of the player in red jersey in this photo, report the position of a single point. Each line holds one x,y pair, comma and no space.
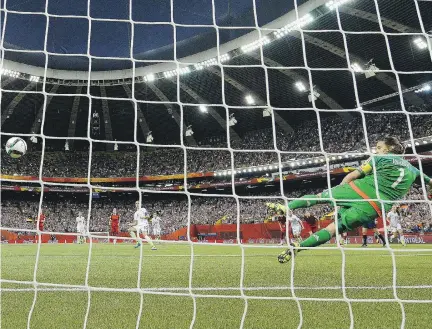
310,223
41,221
114,223
277,213
282,226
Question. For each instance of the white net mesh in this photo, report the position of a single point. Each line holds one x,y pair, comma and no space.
292,284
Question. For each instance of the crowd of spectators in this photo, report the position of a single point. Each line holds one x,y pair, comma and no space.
338,135
342,135
19,210
417,216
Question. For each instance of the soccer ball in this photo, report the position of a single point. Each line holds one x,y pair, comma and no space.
16,147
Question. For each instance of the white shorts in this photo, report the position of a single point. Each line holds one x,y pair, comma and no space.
144,229
81,230
156,231
296,230
396,228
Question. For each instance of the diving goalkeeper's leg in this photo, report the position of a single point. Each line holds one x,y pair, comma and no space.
307,201
340,192
314,240
352,214
349,218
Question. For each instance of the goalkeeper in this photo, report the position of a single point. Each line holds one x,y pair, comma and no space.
394,176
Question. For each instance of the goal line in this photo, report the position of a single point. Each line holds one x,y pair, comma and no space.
170,289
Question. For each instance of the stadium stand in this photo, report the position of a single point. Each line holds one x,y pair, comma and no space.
339,136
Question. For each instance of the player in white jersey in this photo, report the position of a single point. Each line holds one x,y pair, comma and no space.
296,227
139,225
156,225
80,221
395,227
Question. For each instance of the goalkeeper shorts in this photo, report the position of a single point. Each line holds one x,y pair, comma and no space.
352,214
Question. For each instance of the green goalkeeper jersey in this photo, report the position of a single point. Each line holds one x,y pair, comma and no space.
395,176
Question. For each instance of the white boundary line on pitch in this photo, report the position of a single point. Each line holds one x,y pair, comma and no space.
352,247
217,256
168,289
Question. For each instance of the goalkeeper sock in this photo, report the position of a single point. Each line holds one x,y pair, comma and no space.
402,239
364,239
381,238
301,203
149,241
317,239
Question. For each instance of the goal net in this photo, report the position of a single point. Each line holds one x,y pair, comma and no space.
215,116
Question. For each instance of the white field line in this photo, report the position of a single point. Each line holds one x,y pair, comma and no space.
223,256
168,289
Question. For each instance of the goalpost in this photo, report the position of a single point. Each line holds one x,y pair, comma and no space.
297,21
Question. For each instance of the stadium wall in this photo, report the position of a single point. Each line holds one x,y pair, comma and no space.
223,233
268,232
410,238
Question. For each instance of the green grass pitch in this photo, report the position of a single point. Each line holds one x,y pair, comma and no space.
318,274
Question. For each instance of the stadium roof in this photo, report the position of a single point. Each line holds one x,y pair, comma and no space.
152,36
320,61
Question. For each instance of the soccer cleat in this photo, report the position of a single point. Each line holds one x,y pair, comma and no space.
138,245
287,254
153,248
364,245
